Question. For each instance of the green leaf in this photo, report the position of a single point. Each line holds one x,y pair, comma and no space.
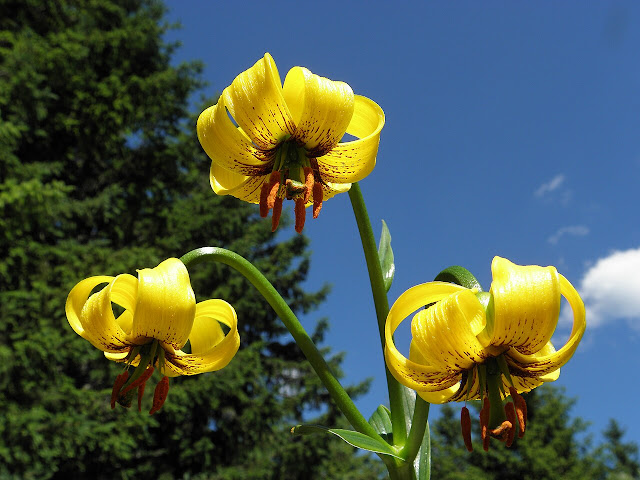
422,462
460,276
381,422
385,254
356,439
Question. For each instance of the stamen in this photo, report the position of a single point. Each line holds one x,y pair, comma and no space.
140,394
510,411
308,183
484,424
465,422
300,214
277,212
117,385
521,410
274,186
160,395
317,199
141,379
264,195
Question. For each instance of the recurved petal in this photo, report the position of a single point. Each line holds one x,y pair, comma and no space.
526,305
321,109
444,332
352,161
225,182
256,103
166,304
330,190
440,396
92,317
544,363
228,146
420,377
211,349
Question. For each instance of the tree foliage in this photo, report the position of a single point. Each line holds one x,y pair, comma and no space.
101,173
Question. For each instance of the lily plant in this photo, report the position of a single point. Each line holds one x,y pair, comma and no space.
271,141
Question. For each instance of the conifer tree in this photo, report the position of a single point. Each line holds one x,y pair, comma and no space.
101,173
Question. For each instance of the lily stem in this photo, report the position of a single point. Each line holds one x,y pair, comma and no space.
381,305
259,281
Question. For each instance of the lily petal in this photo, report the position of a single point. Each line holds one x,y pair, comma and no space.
166,304
211,352
321,109
444,335
526,305
425,378
543,364
92,317
440,396
225,182
256,103
352,161
228,146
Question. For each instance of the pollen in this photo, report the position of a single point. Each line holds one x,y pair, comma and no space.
160,395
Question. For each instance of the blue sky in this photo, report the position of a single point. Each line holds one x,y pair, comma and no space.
511,129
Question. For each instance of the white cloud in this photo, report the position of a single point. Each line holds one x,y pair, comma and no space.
611,289
550,186
579,230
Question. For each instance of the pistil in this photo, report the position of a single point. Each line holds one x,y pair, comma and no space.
495,420
151,356
293,178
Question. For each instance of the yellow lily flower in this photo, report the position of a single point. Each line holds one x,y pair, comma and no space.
287,140
473,345
160,315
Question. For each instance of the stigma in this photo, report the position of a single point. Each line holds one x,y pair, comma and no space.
292,178
149,357
499,419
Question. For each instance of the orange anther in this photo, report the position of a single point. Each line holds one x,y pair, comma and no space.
521,410
117,385
141,379
510,411
484,424
274,186
264,195
300,214
277,212
465,422
317,199
160,395
308,183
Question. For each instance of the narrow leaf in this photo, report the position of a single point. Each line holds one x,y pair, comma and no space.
381,422
356,439
422,462
385,255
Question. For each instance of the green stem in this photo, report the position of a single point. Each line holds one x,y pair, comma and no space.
258,280
416,434
381,304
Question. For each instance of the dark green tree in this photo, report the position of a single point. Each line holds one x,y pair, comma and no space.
620,458
101,173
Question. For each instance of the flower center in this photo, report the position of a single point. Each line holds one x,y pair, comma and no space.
292,178
497,417
150,356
